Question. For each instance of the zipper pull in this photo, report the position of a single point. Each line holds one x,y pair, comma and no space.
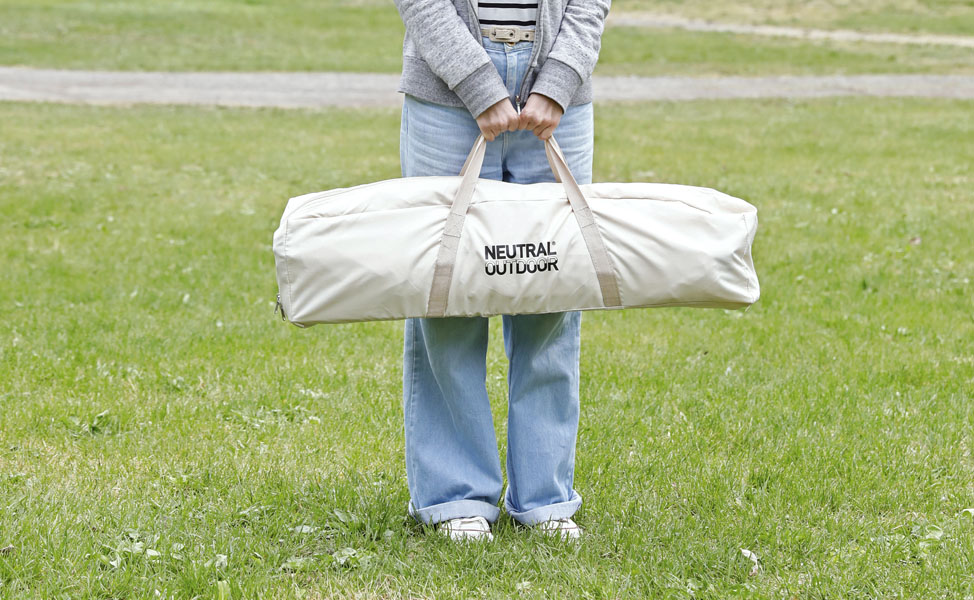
517,103
280,307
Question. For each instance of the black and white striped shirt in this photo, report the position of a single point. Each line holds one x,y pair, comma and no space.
522,13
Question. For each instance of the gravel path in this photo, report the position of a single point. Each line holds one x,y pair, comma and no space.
635,19
309,90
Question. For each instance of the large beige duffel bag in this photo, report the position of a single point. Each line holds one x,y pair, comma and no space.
461,246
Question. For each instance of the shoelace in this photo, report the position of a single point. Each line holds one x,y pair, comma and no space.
563,525
466,524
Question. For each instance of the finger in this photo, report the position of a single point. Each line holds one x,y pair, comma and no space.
548,132
514,124
543,130
535,119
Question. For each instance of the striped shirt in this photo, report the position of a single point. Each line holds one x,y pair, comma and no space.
522,13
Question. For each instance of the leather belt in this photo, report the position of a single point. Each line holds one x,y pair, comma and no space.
508,34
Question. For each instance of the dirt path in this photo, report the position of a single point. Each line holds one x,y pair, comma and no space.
636,19
309,90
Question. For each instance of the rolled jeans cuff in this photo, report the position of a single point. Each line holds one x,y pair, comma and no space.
456,509
560,510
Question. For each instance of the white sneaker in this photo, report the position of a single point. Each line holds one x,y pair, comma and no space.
466,528
566,529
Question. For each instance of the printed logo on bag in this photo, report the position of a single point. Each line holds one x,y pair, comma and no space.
518,259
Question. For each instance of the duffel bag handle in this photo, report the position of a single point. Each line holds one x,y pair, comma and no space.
450,241
604,269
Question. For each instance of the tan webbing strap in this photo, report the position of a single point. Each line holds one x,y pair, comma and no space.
447,255
604,269
450,242
473,151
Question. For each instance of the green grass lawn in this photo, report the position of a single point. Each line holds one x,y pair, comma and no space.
951,17
301,35
652,52
161,430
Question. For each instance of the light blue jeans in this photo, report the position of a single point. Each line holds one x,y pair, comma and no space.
452,464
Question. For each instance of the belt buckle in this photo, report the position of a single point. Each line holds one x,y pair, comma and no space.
504,34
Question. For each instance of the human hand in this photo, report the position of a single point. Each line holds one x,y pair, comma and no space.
541,115
500,117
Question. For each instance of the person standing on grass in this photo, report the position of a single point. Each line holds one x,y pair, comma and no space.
516,71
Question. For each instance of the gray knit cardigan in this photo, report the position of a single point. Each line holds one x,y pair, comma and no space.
444,60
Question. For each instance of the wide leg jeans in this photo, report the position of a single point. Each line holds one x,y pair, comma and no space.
452,464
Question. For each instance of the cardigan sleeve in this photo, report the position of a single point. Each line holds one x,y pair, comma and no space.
575,51
452,53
